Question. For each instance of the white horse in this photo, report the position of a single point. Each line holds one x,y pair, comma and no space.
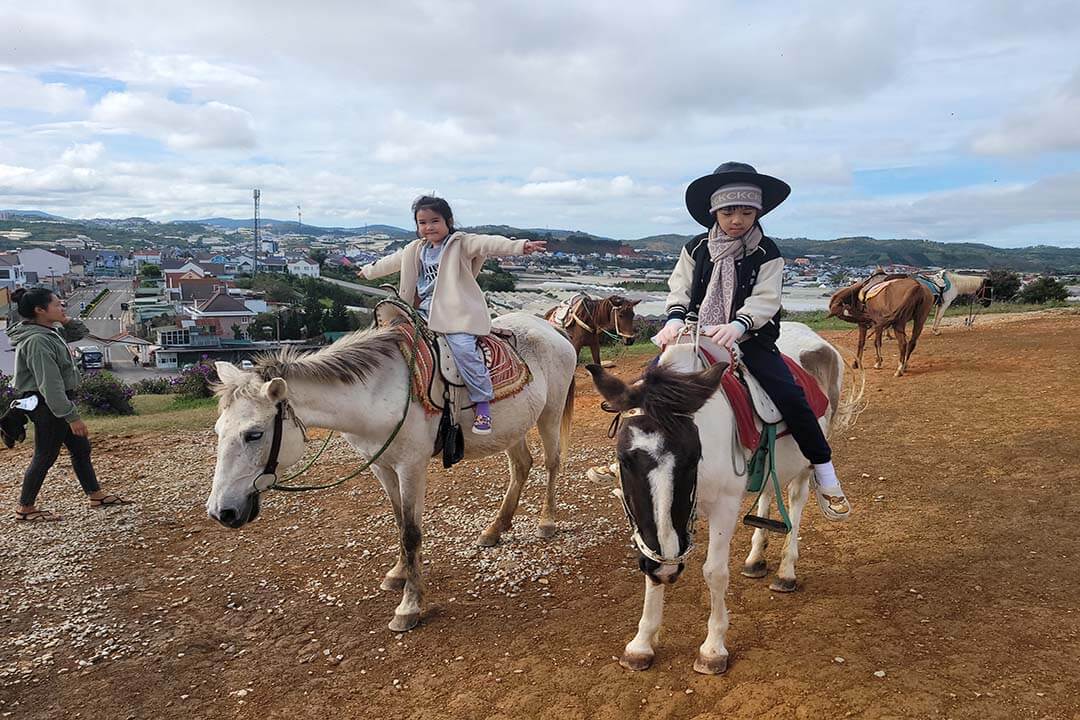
359,386
958,285
658,449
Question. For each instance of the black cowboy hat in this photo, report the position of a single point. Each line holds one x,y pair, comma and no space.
773,190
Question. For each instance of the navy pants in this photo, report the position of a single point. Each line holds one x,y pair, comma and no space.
766,364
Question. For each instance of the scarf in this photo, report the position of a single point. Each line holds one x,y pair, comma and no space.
716,307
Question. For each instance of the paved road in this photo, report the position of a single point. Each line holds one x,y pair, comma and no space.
99,323
377,292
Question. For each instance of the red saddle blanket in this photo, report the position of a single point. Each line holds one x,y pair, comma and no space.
509,372
746,418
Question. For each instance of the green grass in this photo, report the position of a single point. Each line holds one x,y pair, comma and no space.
157,413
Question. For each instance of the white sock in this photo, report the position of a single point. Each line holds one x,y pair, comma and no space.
826,477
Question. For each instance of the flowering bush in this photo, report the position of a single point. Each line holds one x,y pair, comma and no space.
196,381
153,386
102,393
7,392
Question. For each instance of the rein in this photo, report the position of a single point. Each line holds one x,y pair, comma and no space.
275,443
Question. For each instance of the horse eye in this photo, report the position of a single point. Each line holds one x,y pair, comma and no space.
252,435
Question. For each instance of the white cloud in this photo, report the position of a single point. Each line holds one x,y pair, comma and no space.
584,190
23,92
1054,125
181,126
409,139
82,154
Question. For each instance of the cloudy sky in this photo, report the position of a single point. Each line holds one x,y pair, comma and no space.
953,121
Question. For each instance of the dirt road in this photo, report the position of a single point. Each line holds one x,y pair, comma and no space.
956,577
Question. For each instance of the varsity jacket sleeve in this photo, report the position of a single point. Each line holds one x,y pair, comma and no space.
486,245
764,301
680,282
383,266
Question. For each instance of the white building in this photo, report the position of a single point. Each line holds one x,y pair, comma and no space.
11,272
304,267
48,266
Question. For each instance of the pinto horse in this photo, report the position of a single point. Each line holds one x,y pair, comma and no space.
679,456
891,304
953,285
586,319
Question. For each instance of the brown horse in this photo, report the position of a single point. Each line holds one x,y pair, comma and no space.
891,304
586,318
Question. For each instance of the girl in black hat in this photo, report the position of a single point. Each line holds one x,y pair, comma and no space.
728,280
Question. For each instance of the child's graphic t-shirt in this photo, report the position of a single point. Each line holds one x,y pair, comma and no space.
429,271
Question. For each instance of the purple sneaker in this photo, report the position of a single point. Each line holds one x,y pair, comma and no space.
482,424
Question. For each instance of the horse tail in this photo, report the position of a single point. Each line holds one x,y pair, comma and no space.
920,313
566,423
849,408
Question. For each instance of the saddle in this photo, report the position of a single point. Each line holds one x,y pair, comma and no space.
509,371
877,282
567,314
749,401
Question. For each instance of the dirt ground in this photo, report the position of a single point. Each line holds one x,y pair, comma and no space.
956,577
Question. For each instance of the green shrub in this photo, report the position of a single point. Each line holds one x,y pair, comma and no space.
196,381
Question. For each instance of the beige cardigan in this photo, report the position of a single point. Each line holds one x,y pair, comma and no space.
457,303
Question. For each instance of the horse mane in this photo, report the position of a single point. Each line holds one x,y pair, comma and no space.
351,359
667,395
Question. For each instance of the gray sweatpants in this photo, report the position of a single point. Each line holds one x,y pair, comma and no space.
470,363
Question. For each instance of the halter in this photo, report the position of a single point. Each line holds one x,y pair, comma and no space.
635,537
618,333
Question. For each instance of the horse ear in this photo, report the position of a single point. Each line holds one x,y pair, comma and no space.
612,388
275,390
634,302
705,384
227,372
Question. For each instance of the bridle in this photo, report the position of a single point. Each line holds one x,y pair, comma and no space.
270,469
619,334
635,536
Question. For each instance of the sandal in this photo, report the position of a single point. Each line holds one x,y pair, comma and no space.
834,507
109,501
35,516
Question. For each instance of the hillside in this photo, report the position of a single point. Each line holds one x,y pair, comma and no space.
924,253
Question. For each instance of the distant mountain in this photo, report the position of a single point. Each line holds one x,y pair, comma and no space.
862,251
30,214
567,241
291,226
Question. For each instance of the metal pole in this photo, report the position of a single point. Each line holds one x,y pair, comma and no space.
255,259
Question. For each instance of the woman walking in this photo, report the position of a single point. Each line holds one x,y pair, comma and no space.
44,369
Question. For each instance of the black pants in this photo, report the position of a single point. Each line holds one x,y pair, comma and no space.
766,364
50,432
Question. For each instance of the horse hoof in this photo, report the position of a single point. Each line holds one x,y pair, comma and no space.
404,623
855,365
636,662
546,530
898,373
488,538
711,665
757,570
784,585
392,583
877,366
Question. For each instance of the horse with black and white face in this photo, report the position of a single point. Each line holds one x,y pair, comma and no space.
679,458
360,386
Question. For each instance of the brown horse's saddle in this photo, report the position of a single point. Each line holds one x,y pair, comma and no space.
566,315
877,282
509,371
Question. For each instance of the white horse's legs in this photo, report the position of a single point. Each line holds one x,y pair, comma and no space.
937,318
395,577
755,565
520,461
413,482
798,492
713,655
639,654
548,425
